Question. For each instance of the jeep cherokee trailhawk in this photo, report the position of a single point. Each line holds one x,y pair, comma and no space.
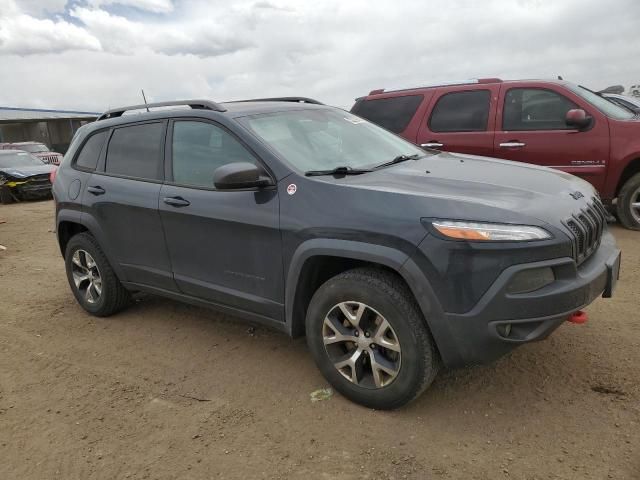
391,260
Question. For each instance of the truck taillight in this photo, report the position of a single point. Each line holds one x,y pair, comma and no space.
52,175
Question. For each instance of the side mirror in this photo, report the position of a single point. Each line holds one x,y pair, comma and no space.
240,175
577,118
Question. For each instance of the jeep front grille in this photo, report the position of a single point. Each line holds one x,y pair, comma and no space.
586,228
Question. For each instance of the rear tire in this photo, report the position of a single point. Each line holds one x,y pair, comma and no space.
628,206
5,195
91,278
398,364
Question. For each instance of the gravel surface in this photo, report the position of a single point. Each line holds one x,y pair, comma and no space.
165,390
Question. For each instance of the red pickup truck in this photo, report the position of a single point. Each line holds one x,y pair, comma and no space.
555,124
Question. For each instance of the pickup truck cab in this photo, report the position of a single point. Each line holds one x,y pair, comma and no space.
553,123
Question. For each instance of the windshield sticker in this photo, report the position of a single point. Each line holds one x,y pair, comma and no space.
354,120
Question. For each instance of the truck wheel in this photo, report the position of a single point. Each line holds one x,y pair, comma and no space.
5,195
92,280
629,203
369,339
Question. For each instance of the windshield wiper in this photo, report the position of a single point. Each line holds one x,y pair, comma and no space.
400,158
337,171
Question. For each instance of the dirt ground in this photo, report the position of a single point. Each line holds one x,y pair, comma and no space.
164,390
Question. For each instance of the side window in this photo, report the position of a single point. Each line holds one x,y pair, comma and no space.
90,154
199,148
461,112
394,113
134,151
535,109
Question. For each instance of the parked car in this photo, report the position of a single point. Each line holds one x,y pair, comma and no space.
391,260
631,103
23,176
634,90
37,149
550,123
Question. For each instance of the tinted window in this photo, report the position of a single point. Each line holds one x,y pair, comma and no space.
135,151
461,112
90,153
199,148
535,109
394,114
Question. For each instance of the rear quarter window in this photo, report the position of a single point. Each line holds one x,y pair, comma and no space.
134,151
393,113
88,157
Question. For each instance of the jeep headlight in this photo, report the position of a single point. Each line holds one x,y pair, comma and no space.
489,232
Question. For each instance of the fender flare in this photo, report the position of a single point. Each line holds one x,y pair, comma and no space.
389,257
93,227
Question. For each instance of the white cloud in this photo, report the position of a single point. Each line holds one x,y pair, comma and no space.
156,6
23,34
332,49
117,34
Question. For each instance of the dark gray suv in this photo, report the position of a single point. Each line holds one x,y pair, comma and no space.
392,260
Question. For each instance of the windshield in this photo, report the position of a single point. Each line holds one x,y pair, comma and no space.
324,139
610,109
16,160
33,148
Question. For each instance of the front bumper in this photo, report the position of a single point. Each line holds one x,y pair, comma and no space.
501,321
30,189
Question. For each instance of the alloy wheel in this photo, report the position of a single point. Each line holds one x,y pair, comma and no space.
635,205
362,345
86,276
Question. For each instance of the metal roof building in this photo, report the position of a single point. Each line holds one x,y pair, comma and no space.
54,128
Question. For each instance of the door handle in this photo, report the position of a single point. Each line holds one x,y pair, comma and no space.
176,201
96,190
513,144
432,144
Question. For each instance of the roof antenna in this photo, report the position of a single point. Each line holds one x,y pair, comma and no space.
144,98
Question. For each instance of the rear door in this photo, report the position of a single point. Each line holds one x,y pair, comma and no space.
531,128
461,119
122,197
225,246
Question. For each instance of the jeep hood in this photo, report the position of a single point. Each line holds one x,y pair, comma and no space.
513,189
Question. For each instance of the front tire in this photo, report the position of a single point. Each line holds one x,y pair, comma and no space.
628,206
369,339
91,278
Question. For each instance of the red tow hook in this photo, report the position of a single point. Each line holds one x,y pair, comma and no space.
578,317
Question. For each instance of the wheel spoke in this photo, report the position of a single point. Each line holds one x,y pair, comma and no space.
80,278
352,316
349,361
97,285
76,259
635,204
381,338
381,366
338,332
88,295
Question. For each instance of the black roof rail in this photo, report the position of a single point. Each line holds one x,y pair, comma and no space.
282,99
195,104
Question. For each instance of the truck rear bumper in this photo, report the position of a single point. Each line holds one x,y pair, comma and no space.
501,321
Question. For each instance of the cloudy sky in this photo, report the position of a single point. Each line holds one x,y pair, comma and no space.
93,54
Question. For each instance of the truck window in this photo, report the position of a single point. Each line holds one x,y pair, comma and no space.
535,109
394,113
134,151
461,112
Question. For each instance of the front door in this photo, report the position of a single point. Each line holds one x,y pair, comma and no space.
225,246
531,128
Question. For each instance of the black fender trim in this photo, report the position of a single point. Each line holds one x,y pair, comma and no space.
389,257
